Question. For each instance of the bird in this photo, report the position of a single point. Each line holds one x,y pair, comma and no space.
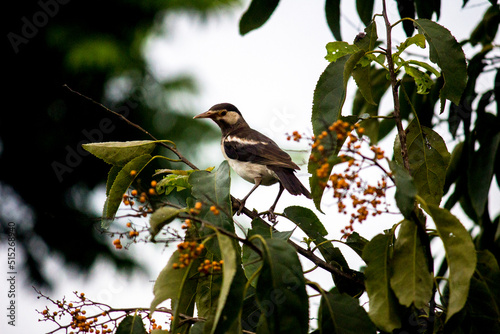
253,156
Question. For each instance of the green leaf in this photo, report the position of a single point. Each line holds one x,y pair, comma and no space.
365,10
483,303
213,188
487,28
121,183
113,173
340,313
308,222
161,217
377,87
411,281
335,50
356,242
405,189
446,52
230,268
171,182
328,100
460,255
422,80
418,40
177,285
429,159
281,292
383,304
257,14
131,324
480,173
332,11
120,153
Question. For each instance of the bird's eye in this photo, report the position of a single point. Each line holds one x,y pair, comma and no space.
223,113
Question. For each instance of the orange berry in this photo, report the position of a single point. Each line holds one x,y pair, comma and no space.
116,242
152,191
153,183
142,199
129,224
133,192
198,205
133,173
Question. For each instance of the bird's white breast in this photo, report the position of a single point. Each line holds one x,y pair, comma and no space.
249,171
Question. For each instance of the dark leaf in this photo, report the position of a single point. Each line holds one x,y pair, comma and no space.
446,52
131,324
257,14
365,10
383,303
332,11
410,281
341,313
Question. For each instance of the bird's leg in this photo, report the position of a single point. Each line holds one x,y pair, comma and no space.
271,216
242,202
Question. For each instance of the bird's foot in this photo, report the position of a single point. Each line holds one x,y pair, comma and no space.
238,205
271,216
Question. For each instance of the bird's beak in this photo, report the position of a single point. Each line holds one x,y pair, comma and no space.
206,114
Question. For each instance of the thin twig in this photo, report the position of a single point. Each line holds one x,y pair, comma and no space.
172,149
395,85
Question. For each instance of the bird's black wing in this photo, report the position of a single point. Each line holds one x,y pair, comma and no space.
249,145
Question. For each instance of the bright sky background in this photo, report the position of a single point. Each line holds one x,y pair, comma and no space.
270,75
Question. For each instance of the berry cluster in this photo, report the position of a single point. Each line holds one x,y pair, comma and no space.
207,266
132,234
73,317
189,251
80,322
348,185
296,136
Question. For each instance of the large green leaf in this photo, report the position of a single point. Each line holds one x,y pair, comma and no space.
177,285
411,281
131,324
328,100
340,313
308,222
405,189
281,292
257,14
365,10
383,303
483,303
119,153
460,255
251,259
332,11
429,159
480,173
213,188
446,52
121,183
161,217
230,298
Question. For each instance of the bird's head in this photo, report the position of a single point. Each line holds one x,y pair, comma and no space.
226,115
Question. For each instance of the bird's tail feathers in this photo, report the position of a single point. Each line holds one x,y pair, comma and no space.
290,181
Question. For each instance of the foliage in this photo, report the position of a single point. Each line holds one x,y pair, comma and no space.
253,281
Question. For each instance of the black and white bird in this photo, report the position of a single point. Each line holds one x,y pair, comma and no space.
254,156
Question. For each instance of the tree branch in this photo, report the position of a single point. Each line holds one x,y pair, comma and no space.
395,85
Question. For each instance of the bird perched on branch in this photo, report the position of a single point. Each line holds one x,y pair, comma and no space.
254,156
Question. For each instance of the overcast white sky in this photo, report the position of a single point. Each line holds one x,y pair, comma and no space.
270,75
